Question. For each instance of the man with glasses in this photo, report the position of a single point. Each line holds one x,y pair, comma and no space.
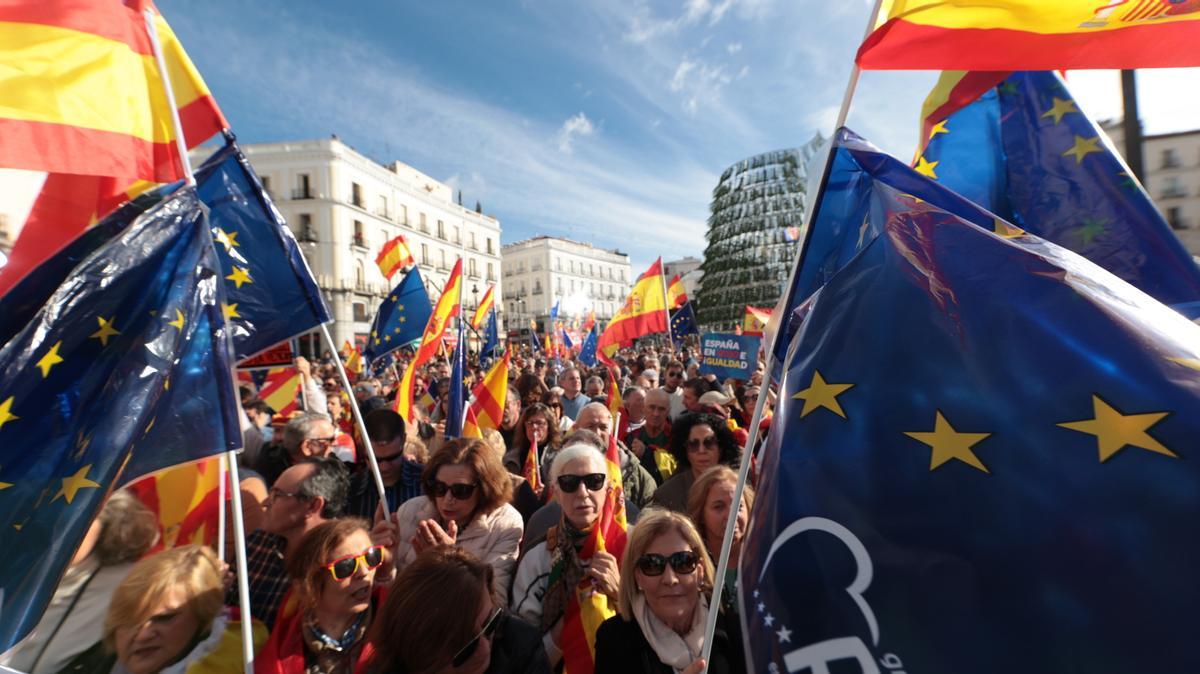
399,467
306,435
673,385
305,495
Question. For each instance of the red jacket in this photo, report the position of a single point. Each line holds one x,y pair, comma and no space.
284,652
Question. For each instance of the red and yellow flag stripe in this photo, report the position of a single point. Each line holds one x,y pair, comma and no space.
490,394
446,308
485,305
644,312
1032,35
394,256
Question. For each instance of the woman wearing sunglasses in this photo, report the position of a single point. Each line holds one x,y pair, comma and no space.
466,504
441,617
538,423
666,577
321,628
551,570
698,442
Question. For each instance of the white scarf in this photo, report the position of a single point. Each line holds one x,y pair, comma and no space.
673,649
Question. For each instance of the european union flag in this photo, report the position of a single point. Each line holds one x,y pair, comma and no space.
401,317
683,322
554,311
491,340
89,383
979,460
566,339
1026,152
587,352
456,408
270,292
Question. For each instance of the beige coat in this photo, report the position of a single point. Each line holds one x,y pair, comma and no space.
494,538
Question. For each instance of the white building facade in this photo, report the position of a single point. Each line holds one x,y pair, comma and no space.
343,207
542,270
688,269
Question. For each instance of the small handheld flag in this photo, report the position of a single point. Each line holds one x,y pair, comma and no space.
394,256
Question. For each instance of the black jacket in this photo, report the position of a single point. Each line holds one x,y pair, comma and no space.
621,648
517,649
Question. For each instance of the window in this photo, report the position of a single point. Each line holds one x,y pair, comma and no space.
457,237
490,274
424,226
308,233
425,254
359,237
360,312
471,268
441,230
356,194
1175,218
489,246
382,210
572,266
558,264
443,265
558,287
403,214
1170,158
266,183
1172,187
474,245
304,188
360,275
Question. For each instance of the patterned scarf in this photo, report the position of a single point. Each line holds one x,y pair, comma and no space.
566,570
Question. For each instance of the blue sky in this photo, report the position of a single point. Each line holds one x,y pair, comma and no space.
605,121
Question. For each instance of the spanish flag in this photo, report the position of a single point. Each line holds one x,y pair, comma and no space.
446,308
614,392
1033,35
644,313
280,390
532,470
589,607
184,499
354,361
485,305
95,43
394,256
755,321
676,295
955,90
490,395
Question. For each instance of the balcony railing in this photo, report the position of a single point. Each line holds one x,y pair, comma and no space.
302,193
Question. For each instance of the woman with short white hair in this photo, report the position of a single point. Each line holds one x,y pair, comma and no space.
579,479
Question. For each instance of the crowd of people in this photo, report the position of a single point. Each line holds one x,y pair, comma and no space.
464,565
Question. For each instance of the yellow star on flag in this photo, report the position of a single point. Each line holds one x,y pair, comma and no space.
239,276
1082,148
822,394
230,311
394,298
50,359
5,485
387,338
178,323
228,239
940,127
948,443
6,414
1114,430
1060,109
1006,230
106,330
71,485
926,167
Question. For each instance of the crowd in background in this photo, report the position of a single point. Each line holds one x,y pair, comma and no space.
464,565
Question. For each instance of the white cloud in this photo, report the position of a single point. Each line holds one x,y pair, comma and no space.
680,78
733,47
699,82
577,125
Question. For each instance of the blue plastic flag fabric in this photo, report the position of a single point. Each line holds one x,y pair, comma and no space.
270,292
131,342
683,322
491,340
1027,152
401,317
554,311
587,352
566,339
979,462
457,407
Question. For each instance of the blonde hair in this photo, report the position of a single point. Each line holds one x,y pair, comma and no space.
698,495
655,522
193,568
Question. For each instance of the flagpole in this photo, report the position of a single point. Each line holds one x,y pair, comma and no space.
666,305
362,426
764,391
231,456
221,507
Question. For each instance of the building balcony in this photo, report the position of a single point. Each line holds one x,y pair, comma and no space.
360,241
1173,193
301,193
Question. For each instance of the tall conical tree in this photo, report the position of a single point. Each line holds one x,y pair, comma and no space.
753,234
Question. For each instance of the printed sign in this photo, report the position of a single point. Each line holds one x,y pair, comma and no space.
276,356
729,356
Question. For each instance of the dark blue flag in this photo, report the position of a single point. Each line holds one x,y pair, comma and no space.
979,462
566,339
683,322
1027,152
270,292
456,407
401,317
491,340
94,386
554,311
587,352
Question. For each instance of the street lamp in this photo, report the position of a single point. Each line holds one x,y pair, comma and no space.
475,295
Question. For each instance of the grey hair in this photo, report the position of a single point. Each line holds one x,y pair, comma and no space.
330,481
596,379
127,529
583,436
298,428
571,453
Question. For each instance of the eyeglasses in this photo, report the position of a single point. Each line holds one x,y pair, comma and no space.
489,628
674,374
277,494
387,459
683,562
344,567
459,491
325,442
709,443
593,481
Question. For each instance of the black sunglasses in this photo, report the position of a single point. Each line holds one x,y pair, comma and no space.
683,562
461,492
593,481
489,628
